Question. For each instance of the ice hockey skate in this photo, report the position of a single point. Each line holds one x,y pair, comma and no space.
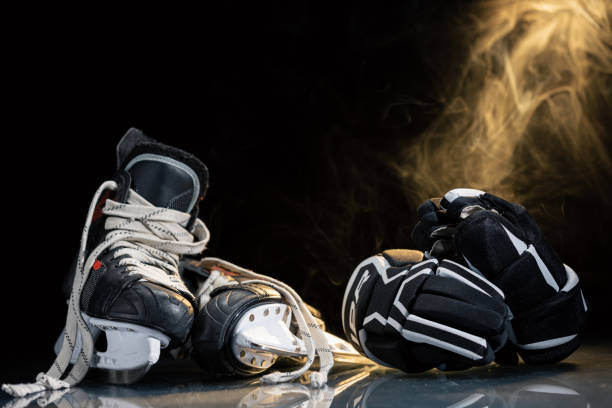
125,285
246,322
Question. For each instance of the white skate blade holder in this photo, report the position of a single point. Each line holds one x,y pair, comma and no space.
131,349
262,335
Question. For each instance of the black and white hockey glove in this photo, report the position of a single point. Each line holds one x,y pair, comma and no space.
501,241
405,312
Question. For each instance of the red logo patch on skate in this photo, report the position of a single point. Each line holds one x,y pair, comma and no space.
97,265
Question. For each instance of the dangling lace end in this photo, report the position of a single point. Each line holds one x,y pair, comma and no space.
43,383
43,398
318,379
21,390
21,402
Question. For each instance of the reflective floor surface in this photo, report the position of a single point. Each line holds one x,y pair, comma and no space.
583,380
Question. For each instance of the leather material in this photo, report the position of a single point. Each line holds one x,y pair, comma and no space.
110,292
215,323
402,257
154,306
123,297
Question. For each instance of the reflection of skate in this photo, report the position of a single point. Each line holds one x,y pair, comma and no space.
126,283
61,398
197,394
299,395
245,327
286,395
362,387
72,398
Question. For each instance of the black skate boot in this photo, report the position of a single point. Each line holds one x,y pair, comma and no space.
247,321
126,282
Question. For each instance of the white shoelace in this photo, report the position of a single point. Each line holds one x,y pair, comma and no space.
310,332
153,238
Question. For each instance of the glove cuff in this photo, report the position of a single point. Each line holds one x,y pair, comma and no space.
551,355
550,332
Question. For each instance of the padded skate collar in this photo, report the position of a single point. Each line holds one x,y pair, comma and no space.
164,175
164,182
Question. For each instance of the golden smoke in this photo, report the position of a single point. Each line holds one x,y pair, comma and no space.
528,116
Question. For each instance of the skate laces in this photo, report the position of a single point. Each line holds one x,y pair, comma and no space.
151,239
215,280
156,237
309,330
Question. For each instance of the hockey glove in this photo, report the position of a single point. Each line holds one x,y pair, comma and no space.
403,312
501,241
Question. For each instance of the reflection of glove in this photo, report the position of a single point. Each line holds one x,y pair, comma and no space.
500,240
411,314
463,390
549,394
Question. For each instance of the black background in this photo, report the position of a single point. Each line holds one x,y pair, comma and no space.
293,108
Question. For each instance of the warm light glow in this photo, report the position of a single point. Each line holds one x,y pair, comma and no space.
526,117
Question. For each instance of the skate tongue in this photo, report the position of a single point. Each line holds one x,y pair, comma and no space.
163,175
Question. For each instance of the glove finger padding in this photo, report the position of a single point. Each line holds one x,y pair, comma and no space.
502,241
411,314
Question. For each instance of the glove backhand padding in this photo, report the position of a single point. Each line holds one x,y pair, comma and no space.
414,315
501,240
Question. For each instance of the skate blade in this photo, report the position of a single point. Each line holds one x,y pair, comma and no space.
131,349
262,335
